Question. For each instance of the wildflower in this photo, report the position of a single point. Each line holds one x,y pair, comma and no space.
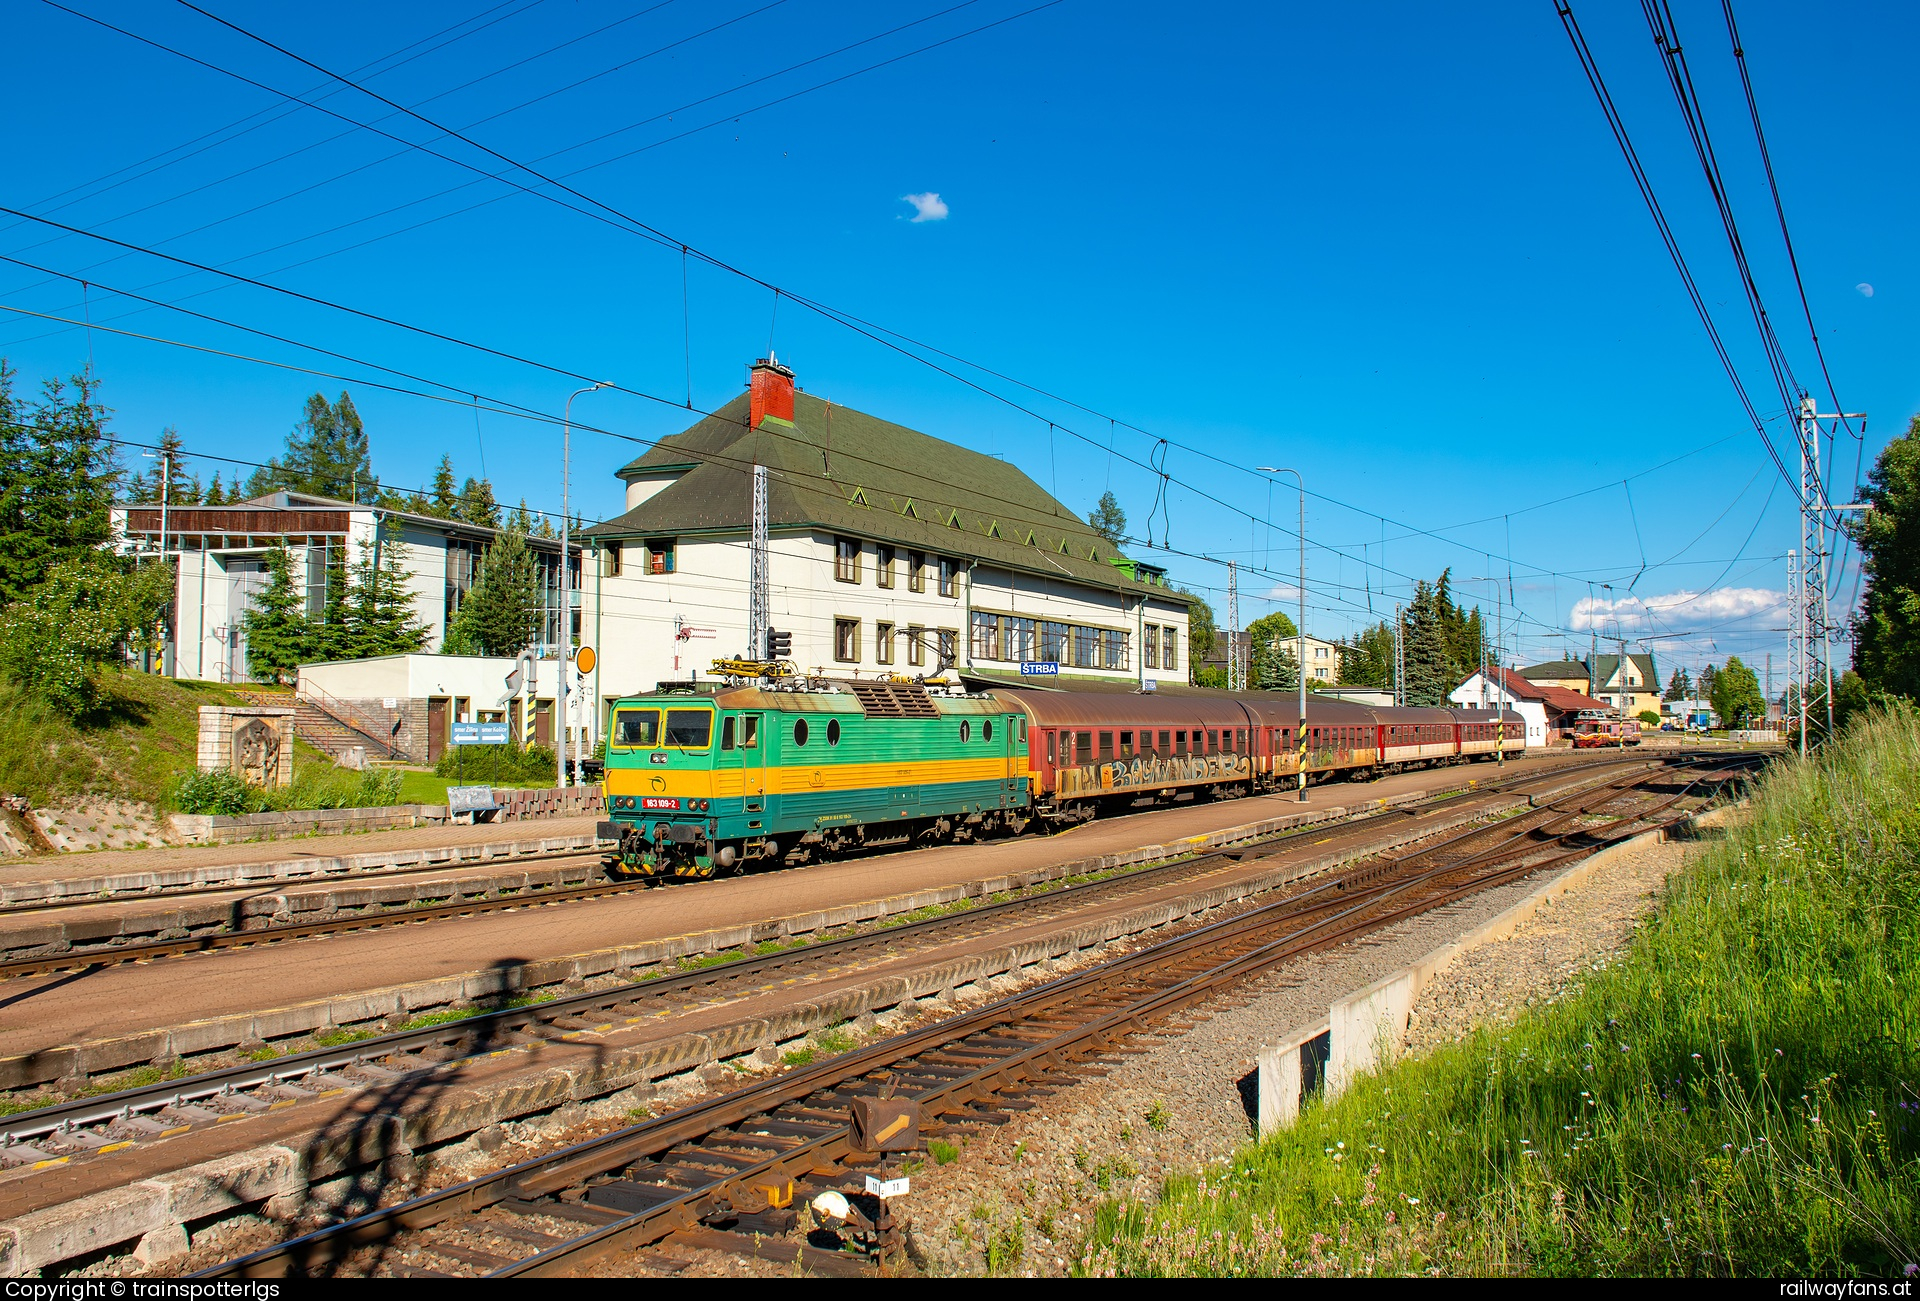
1696,1057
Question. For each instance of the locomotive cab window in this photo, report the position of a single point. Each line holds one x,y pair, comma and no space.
833,731
690,729
636,728
800,731
986,730
966,730
726,732
750,732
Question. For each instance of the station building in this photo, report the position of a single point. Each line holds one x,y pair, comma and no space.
890,552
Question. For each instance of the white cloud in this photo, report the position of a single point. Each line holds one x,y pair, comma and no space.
1866,290
926,207
1725,609
1282,592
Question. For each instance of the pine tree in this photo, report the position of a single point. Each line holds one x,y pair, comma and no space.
476,504
1107,519
327,456
380,613
445,502
500,613
57,480
278,634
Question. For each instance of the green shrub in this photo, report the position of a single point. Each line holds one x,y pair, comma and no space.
222,793
226,794
1738,1095
476,764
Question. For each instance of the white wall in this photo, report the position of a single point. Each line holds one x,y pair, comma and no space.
1468,696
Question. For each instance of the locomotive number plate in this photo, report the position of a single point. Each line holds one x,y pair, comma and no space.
658,802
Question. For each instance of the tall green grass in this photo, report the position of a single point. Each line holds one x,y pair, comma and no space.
1739,1095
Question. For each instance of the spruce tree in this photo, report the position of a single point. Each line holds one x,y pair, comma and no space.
57,480
445,502
1429,673
476,504
380,613
500,615
332,638
327,456
1272,664
278,634
1107,519
216,495
1678,687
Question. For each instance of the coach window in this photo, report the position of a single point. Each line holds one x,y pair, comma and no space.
1213,741
1106,745
799,731
1052,755
726,733
1180,742
1166,743
1083,747
1126,745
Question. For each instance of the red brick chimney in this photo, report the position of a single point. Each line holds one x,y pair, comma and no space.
770,391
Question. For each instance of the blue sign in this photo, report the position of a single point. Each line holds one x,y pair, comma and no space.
481,734
1039,669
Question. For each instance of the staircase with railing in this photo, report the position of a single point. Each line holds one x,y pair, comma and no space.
331,725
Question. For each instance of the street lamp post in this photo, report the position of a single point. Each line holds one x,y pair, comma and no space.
565,652
1300,629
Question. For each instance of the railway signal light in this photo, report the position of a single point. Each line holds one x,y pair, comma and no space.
779,644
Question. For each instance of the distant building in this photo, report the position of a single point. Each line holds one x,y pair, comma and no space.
1632,686
1549,709
1570,674
1323,657
219,555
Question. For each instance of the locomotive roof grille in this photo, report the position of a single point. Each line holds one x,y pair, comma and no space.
893,699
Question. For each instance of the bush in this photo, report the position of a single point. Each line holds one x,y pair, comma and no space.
221,793
226,794
497,763
1650,718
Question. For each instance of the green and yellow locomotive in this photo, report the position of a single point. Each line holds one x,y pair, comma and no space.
715,780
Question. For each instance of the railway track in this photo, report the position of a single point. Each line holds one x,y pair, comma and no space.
730,1172
75,1129
109,953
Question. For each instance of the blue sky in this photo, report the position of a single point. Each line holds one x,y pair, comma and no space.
1393,246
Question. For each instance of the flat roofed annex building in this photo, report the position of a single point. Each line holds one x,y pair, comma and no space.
890,552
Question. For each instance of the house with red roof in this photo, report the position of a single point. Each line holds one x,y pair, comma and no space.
1548,709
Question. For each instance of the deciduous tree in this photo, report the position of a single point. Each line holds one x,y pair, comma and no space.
1886,632
1736,695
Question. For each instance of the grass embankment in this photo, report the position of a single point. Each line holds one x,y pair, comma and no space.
1739,1095
134,745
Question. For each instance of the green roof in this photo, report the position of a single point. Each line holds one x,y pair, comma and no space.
843,471
1604,665
1554,671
